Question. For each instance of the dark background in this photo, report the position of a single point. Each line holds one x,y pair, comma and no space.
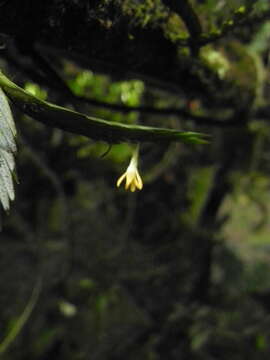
179,270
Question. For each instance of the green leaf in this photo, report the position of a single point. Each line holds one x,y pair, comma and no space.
94,128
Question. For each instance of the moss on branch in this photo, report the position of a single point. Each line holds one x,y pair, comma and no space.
125,39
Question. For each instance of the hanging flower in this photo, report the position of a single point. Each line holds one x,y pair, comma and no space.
132,176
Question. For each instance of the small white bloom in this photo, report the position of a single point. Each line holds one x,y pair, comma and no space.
132,176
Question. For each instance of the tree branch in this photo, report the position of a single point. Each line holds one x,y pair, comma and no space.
240,18
97,129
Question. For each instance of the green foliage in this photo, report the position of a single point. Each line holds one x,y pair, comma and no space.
261,5
146,12
216,61
99,87
35,90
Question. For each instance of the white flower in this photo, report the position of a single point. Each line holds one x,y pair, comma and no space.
132,176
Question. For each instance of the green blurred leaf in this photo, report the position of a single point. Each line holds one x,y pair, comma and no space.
67,309
87,283
200,182
35,90
261,342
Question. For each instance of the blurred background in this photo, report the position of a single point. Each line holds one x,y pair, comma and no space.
178,270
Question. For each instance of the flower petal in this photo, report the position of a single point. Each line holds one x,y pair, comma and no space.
132,187
129,179
120,180
139,182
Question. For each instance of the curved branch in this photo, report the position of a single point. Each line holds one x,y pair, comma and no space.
94,128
